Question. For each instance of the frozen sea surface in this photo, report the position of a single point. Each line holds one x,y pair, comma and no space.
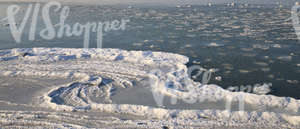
113,88
89,83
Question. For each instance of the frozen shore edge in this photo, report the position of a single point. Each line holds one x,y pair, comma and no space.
175,64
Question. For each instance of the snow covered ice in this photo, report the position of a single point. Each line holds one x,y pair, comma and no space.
44,85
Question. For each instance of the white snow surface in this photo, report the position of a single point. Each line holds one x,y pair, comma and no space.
99,74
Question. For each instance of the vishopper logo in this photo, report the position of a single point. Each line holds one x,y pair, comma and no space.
173,84
178,86
59,30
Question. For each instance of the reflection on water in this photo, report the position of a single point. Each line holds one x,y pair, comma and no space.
248,45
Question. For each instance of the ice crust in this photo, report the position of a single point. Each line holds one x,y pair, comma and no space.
99,73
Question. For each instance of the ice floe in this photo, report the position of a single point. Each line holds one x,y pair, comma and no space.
101,73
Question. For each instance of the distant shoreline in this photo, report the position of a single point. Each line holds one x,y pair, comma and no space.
171,3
